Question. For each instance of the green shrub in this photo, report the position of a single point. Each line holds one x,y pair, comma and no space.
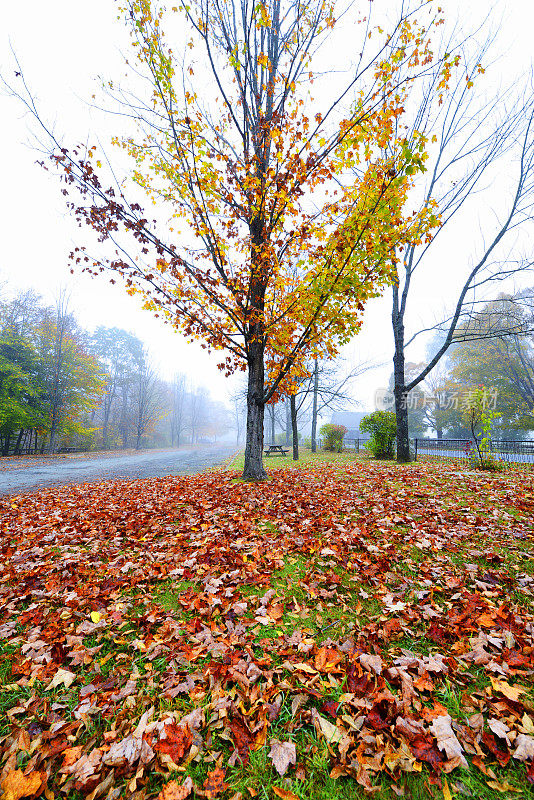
480,420
382,426
333,437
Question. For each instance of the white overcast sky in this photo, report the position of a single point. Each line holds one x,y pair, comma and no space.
63,46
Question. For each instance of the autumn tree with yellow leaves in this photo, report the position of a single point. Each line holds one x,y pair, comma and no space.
284,211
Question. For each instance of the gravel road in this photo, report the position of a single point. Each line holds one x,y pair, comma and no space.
149,464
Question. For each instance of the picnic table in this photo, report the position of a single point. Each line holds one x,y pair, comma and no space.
275,449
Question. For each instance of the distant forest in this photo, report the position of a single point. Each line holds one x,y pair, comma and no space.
62,387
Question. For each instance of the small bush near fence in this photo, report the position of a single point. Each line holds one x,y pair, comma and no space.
333,437
382,427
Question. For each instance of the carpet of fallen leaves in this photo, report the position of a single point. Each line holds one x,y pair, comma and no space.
332,632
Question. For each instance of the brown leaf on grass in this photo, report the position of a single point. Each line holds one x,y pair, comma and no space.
214,784
358,683
524,747
503,786
511,692
327,659
409,728
178,739
501,730
423,748
282,754
298,702
331,733
194,720
375,719
331,707
364,779
446,738
63,677
482,766
86,770
16,784
70,756
128,751
502,756
371,663
284,794
242,737
176,791
438,710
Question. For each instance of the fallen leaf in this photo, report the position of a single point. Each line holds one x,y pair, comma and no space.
446,738
331,733
16,784
504,786
371,663
62,676
498,727
282,754
214,783
511,692
176,791
284,794
502,756
177,741
524,747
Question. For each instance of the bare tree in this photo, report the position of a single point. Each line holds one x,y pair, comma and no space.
149,406
178,408
196,412
469,146
119,352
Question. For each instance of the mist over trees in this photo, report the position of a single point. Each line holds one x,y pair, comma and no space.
62,387
497,355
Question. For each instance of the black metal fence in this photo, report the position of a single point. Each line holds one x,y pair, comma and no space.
356,444
506,452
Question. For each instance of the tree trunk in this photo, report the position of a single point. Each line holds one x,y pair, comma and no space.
7,442
253,469
293,404
439,432
272,424
399,384
52,444
403,435
288,421
314,410
19,440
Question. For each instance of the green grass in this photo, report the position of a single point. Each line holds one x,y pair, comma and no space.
306,458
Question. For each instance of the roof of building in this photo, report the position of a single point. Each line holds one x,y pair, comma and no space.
351,420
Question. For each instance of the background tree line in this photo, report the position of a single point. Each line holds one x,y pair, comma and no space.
497,353
64,387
